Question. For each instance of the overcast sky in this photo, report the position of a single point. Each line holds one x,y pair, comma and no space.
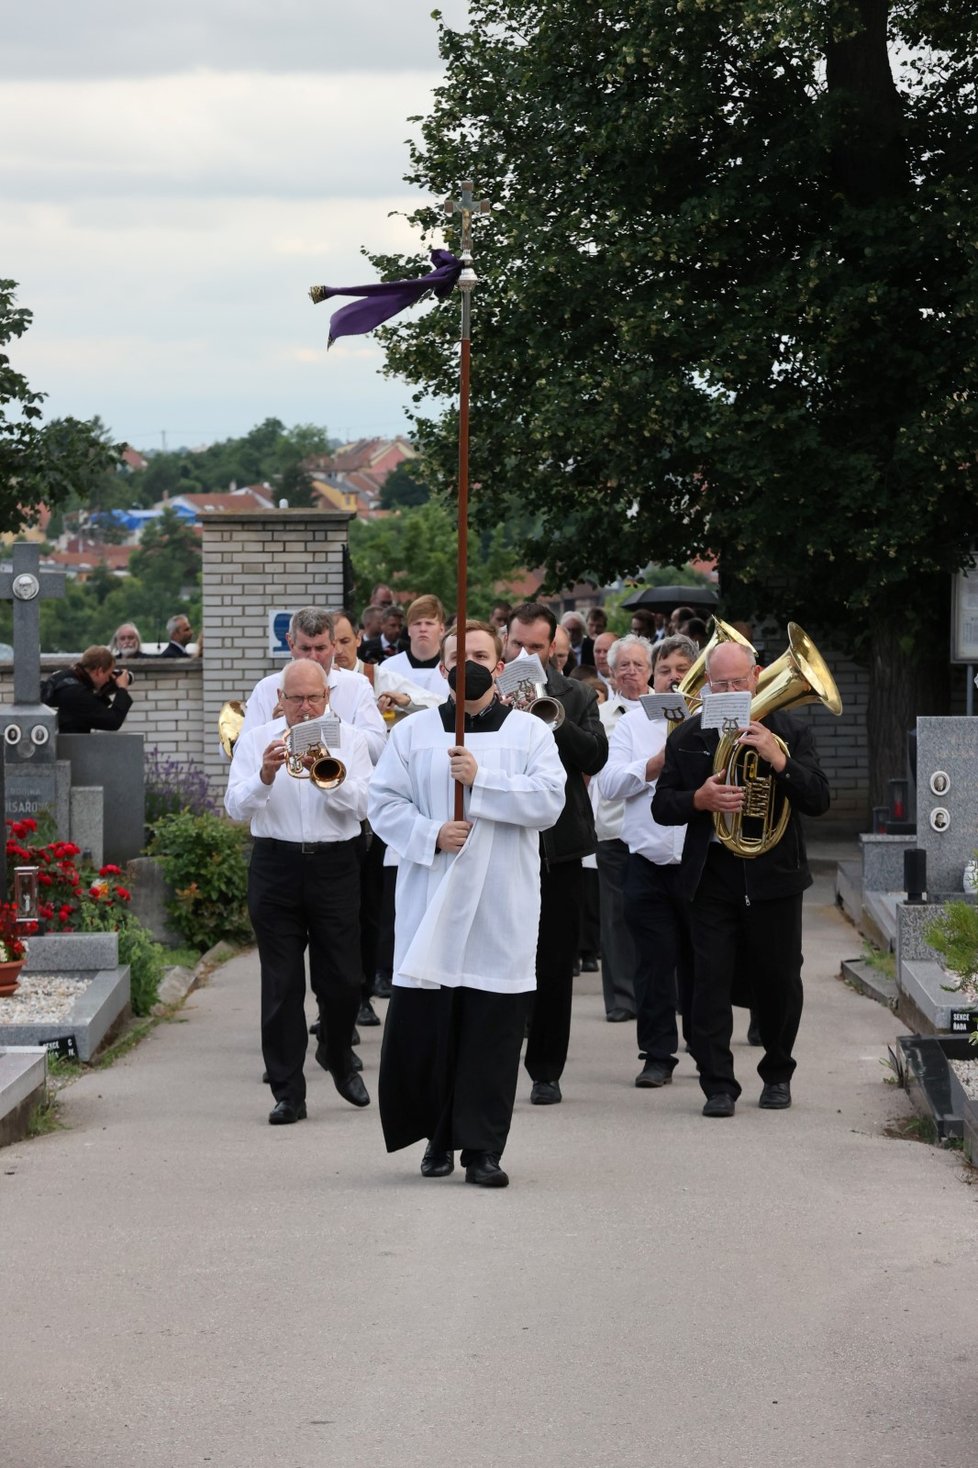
172,182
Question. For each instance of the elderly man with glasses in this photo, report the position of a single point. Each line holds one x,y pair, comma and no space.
304,890
743,909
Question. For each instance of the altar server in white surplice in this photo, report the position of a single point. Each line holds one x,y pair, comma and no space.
467,913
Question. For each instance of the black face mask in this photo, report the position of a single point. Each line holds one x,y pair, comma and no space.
478,680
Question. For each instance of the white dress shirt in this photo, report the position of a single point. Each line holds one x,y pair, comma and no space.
351,698
295,810
428,678
633,742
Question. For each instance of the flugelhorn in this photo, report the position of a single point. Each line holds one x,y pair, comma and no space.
302,740
800,675
533,698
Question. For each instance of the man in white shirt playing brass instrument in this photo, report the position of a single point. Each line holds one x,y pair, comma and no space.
303,890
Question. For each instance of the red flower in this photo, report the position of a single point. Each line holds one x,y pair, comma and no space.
124,893
110,871
45,879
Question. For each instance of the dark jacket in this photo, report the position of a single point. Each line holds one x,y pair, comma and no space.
81,708
583,748
372,650
174,650
779,872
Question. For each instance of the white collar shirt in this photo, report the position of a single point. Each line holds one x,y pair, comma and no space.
295,810
633,742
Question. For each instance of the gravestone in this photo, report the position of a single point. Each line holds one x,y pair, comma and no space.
116,763
947,799
28,726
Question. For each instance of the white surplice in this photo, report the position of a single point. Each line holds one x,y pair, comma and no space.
469,920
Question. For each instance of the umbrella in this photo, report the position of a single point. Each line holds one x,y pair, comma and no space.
665,598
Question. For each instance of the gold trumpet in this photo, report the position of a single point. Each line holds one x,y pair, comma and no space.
302,740
800,675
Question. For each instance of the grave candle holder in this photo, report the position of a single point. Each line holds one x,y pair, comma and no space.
26,899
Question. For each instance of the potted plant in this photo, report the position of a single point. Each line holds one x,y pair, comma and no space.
13,950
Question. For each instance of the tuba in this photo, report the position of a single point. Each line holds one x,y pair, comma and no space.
800,675
229,722
326,771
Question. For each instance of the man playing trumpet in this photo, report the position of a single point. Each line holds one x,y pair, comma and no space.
744,908
304,888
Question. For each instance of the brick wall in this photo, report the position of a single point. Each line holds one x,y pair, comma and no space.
253,564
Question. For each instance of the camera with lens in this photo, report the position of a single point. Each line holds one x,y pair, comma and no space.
115,675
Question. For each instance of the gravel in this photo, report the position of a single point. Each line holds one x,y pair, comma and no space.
967,1073
41,999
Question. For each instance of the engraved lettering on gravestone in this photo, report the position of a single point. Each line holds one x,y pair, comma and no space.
940,782
940,818
964,1021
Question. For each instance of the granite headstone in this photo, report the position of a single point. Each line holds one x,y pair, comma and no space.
947,799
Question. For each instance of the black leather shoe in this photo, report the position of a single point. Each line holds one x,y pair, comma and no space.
754,1031
351,1088
653,1074
314,1028
485,1172
382,986
776,1096
589,965
436,1163
355,1037
355,1062
722,1104
545,1093
284,1113
619,1016
367,1016
264,1077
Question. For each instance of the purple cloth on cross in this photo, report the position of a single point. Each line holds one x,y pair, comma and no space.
385,299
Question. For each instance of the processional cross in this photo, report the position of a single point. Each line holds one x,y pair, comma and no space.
464,207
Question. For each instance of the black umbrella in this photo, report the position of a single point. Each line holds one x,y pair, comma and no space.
665,598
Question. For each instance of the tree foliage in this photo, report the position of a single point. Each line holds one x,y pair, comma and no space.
414,551
730,296
40,463
269,453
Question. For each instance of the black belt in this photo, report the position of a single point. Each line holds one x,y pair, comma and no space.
305,848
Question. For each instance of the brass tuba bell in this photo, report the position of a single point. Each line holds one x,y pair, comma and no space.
800,675
229,722
692,684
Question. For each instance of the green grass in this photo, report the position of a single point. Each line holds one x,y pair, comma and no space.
883,963
45,1118
181,958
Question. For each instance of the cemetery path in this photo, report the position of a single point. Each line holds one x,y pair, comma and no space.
187,1285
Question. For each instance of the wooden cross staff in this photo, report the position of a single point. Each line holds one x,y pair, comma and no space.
465,207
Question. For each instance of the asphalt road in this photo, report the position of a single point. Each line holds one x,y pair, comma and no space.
184,1284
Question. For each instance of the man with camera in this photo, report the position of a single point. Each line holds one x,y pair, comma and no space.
93,694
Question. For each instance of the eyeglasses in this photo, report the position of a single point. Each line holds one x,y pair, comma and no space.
728,685
297,698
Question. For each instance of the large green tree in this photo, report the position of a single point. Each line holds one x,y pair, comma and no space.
40,463
729,303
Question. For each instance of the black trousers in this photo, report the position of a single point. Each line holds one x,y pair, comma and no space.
560,900
371,851
448,1068
766,938
617,944
658,919
298,902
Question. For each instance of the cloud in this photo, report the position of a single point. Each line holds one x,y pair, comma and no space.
57,39
173,183
217,134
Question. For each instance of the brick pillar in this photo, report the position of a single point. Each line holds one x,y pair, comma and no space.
254,563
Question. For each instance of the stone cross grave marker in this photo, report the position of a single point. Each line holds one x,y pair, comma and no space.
28,726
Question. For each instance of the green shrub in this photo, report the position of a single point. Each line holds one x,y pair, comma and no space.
954,935
204,860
